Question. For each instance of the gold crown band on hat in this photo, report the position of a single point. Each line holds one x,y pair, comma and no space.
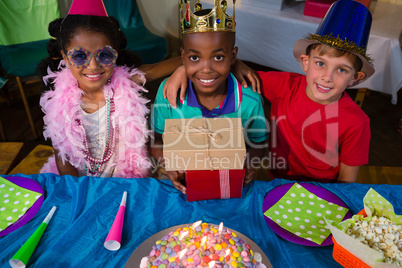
343,44
215,21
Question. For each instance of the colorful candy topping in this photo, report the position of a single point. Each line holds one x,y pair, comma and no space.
205,246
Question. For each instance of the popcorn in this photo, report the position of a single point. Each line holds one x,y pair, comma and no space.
375,239
380,234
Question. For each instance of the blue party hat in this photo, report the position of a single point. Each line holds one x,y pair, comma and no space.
346,26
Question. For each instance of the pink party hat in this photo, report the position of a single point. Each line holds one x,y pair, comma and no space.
113,239
88,7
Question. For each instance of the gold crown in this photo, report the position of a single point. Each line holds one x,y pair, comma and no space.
215,21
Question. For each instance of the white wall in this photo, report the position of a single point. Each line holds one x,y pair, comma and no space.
162,18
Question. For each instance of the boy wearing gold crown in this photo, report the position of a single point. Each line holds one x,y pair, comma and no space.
316,127
208,53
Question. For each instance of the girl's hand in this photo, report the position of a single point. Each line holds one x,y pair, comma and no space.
243,73
64,168
177,178
177,81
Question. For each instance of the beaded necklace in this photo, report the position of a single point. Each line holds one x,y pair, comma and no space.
96,165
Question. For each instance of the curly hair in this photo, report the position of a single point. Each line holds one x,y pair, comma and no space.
63,30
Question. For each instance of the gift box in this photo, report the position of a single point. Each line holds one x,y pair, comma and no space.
214,184
318,8
203,144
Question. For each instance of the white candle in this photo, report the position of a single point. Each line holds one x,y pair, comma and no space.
181,238
181,254
220,231
203,240
227,252
192,228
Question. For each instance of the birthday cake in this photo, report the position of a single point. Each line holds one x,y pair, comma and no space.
205,245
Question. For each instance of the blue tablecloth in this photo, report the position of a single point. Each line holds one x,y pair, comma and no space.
86,208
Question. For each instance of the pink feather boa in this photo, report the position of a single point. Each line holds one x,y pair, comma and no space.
62,112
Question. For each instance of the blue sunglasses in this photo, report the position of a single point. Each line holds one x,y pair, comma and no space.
80,57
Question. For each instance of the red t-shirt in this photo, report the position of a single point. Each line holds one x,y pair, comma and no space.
308,139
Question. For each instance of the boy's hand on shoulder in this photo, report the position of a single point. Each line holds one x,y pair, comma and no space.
243,73
250,172
177,178
177,81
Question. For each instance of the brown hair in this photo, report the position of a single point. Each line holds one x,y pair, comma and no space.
334,52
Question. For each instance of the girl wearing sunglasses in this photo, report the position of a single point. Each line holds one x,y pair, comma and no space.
95,114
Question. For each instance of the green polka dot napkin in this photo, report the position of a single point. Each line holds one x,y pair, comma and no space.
302,213
378,206
14,202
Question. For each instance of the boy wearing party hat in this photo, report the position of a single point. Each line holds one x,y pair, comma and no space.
208,52
317,128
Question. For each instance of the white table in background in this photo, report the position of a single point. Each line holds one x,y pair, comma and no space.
266,37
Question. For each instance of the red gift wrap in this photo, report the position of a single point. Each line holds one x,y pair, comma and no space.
214,184
318,8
